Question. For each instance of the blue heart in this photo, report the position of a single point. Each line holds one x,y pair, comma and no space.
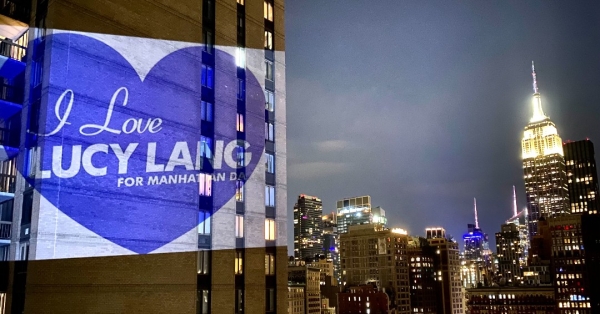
146,217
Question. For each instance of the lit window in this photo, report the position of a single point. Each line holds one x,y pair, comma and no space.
269,264
269,100
203,262
268,11
269,196
206,147
207,76
240,57
203,222
239,263
269,70
240,163
239,226
269,229
240,122
206,111
205,184
239,191
269,132
270,164
268,40
203,297
240,2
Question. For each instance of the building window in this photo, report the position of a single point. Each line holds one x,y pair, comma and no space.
239,301
269,100
239,262
206,147
203,262
205,184
268,40
208,79
206,111
241,94
24,251
208,41
204,222
240,122
240,2
270,300
36,72
270,196
240,56
270,164
269,229
269,70
239,226
240,154
269,264
268,11
203,299
239,191
269,132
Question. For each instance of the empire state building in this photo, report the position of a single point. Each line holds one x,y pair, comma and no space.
543,165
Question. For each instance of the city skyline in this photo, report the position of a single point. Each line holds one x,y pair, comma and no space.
446,126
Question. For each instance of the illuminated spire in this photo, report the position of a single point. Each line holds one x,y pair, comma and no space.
476,220
535,87
538,112
515,202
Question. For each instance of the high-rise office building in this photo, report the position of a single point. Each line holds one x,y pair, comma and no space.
425,288
543,165
582,176
448,271
575,259
151,73
358,211
308,227
373,254
509,253
475,241
331,245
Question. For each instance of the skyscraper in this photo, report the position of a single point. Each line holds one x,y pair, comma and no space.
582,176
358,211
331,244
522,227
308,227
214,70
475,241
371,253
447,268
509,253
575,259
543,165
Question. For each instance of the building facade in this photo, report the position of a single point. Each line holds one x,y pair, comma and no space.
501,300
331,246
296,299
372,254
543,166
308,227
364,299
448,271
509,253
575,258
582,176
425,288
358,211
233,259
309,278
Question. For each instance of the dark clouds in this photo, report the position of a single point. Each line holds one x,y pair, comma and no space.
421,104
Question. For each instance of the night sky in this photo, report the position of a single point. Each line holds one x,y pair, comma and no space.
422,104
